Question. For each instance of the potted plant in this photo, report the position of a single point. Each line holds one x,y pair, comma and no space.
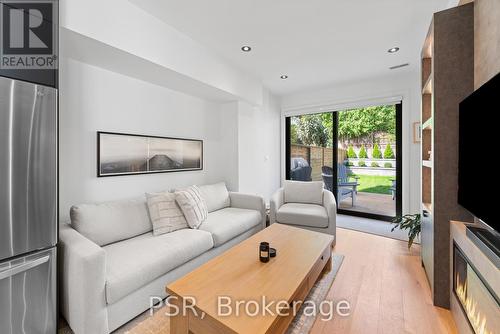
412,223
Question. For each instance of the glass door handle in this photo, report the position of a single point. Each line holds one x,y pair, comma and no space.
9,272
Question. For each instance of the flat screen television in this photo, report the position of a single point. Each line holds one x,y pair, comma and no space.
479,151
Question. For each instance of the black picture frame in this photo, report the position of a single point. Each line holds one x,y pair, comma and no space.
141,171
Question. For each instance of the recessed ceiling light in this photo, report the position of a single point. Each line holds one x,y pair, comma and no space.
393,50
284,76
246,48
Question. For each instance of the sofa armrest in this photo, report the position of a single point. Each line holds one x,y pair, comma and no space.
248,201
82,280
277,201
330,204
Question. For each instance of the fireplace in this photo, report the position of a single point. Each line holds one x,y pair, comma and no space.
478,302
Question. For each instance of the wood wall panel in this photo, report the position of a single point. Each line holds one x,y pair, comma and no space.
486,40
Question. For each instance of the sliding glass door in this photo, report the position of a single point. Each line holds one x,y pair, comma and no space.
310,145
356,153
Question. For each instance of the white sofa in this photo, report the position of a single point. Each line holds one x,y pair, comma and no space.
111,264
306,205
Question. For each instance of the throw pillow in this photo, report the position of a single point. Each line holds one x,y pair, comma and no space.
216,196
166,216
192,205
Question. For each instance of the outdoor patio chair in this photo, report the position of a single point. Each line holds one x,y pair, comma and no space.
393,189
344,189
327,175
344,179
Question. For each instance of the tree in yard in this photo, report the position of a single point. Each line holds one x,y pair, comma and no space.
376,154
362,153
294,138
388,152
350,153
364,122
327,119
311,131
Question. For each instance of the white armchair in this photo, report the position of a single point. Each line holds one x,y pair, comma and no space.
305,205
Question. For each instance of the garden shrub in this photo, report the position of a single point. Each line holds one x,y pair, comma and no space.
350,164
375,164
387,165
362,163
350,153
376,152
362,153
388,153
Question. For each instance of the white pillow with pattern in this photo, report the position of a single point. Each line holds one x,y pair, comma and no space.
165,214
192,205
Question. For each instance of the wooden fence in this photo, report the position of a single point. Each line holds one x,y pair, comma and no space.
317,157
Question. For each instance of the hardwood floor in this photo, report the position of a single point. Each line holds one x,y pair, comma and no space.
386,287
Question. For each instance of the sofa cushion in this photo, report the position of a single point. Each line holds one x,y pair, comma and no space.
192,205
216,196
109,222
301,214
133,263
303,192
229,223
165,213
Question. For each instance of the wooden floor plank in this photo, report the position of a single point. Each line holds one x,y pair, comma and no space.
391,315
386,287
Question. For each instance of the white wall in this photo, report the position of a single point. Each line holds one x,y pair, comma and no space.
93,99
259,147
364,93
100,59
241,142
124,26
228,146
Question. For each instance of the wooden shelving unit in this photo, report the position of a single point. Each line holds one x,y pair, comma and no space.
447,78
427,207
427,89
427,125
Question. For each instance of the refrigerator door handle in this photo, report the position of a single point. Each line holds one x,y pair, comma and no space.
23,267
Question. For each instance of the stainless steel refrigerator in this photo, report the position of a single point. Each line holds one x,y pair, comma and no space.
28,207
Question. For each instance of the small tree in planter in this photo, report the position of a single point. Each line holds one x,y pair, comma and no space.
362,153
376,154
388,153
350,153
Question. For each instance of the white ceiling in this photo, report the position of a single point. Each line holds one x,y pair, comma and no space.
314,42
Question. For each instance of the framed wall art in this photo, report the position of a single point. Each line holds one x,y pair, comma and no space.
130,154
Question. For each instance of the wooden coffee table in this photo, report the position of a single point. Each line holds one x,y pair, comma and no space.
238,274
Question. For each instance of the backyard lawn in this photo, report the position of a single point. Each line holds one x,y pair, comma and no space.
375,184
